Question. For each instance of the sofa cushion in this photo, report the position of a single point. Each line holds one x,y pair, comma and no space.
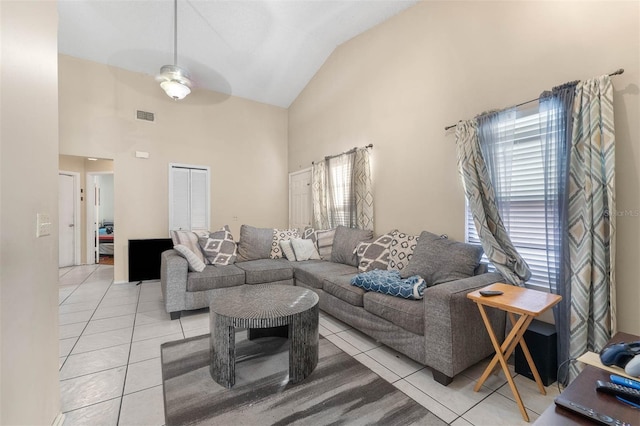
280,235
218,247
374,255
314,272
266,270
401,250
195,264
215,276
255,243
345,242
438,259
340,287
405,313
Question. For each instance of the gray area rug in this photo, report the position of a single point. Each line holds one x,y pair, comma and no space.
339,391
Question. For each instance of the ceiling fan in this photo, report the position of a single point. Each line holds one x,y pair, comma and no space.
174,80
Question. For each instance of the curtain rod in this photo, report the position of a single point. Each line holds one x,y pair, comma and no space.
328,157
616,72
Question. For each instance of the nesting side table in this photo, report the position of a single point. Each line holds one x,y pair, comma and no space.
528,304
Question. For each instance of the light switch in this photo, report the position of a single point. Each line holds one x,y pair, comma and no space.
43,225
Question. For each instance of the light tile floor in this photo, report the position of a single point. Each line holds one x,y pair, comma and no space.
110,336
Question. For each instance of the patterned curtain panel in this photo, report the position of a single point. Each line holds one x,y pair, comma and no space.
318,196
342,191
592,218
482,201
363,189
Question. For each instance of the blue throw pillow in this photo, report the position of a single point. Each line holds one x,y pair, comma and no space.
389,282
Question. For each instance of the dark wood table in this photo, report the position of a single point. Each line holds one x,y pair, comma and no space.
583,391
264,310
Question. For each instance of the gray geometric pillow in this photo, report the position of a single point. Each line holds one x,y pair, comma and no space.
401,250
279,235
219,247
309,234
374,255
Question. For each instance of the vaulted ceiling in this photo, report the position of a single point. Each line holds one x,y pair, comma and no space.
264,50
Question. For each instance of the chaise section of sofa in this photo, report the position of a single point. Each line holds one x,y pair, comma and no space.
443,331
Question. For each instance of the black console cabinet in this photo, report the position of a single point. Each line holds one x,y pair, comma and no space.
144,258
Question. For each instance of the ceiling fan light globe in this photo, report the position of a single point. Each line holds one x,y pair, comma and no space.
175,89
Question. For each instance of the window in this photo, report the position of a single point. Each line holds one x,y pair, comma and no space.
521,195
340,189
188,197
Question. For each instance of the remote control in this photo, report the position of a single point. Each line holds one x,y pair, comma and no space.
623,381
630,394
590,413
490,292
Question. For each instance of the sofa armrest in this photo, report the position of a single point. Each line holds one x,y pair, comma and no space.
173,280
455,335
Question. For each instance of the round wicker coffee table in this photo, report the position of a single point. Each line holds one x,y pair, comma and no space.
276,310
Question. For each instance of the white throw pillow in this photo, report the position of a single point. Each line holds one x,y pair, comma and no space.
195,264
304,249
285,245
188,239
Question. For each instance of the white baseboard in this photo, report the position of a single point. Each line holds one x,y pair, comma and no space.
121,282
59,420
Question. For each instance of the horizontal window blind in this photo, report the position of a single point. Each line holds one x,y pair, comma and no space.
521,198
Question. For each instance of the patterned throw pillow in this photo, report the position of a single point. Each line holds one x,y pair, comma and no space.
401,250
389,282
219,247
304,249
195,264
324,242
309,234
374,255
287,250
279,235
188,239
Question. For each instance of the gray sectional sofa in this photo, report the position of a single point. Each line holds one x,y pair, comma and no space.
444,331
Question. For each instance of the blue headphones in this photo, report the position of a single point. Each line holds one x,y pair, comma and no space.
620,353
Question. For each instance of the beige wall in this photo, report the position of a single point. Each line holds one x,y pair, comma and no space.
244,143
29,185
398,85
81,165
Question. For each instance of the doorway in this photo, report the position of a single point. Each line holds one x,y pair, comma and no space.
100,223
300,207
68,218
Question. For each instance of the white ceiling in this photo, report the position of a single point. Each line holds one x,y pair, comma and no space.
264,50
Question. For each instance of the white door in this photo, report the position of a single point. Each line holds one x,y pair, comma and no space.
67,223
300,208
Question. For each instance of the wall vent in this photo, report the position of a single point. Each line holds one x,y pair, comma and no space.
144,115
